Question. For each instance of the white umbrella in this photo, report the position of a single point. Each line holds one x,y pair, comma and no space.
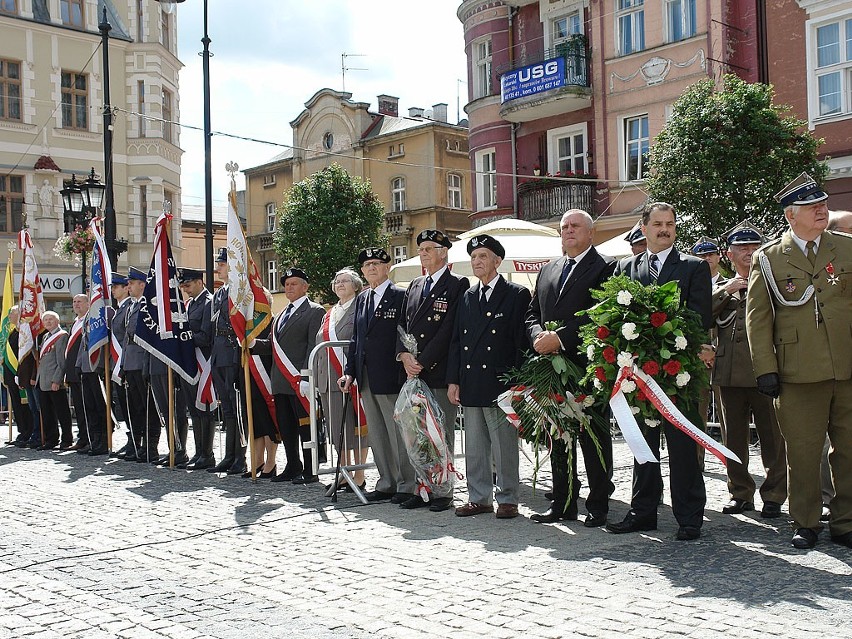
615,247
528,247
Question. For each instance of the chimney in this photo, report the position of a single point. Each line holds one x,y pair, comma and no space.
389,105
439,112
415,112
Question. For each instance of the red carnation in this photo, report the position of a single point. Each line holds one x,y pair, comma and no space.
603,332
651,368
658,319
672,367
580,399
600,373
640,395
609,354
557,398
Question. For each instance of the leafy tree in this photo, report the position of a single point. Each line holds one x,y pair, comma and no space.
325,221
723,155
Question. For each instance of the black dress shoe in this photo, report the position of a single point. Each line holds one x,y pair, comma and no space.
348,489
826,514
287,475
247,474
440,504
84,450
632,523
98,452
688,533
306,479
202,463
843,540
804,539
222,466
48,446
552,515
129,456
415,501
594,521
268,475
377,495
398,498
737,506
770,510
238,468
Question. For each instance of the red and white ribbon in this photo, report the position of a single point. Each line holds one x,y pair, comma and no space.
76,332
335,356
205,394
441,472
288,370
50,341
633,435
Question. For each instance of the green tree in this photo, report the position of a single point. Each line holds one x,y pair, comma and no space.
724,153
325,221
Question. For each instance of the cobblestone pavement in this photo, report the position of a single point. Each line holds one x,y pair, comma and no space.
92,548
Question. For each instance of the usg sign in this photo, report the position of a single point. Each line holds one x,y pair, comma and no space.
532,79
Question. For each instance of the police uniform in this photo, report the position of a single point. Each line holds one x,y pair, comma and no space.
91,376
799,322
118,326
739,399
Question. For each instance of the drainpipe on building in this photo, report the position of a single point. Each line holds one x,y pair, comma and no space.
513,137
762,45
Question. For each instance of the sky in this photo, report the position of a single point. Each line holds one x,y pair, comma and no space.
271,56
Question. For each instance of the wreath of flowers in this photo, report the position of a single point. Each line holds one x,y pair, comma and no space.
647,327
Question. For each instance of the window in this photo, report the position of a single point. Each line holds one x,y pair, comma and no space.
143,213
562,28
166,30
400,254
9,6
482,70
834,68
567,150
10,90
271,275
167,115
140,106
398,194
680,19
75,100
11,203
269,179
630,16
454,191
140,20
486,179
270,217
72,12
636,145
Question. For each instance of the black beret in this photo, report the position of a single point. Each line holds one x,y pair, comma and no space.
373,253
293,272
486,241
434,235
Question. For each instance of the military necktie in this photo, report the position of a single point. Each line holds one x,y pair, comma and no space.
653,267
287,313
811,246
483,296
426,289
371,305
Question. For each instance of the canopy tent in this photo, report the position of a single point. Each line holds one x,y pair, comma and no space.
528,247
616,247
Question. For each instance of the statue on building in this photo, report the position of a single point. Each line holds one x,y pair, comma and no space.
45,199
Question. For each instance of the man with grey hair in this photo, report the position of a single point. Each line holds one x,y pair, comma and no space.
50,378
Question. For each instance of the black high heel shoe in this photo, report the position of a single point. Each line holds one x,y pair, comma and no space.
258,472
270,474
348,489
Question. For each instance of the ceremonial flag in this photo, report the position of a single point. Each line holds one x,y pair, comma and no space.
31,305
162,327
6,353
99,295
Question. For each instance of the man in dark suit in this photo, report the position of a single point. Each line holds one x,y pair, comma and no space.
118,325
80,304
562,289
23,416
663,263
372,362
291,340
429,312
489,339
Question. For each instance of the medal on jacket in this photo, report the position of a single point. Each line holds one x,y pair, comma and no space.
790,286
832,278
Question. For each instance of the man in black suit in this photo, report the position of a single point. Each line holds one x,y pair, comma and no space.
562,289
663,263
429,313
80,304
21,411
489,339
372,362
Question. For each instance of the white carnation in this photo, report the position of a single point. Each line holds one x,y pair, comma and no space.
680,342
590,352
624,298
628,386
566,437
682,379
629,330
653,423
634,410
597,383
624,360
588,401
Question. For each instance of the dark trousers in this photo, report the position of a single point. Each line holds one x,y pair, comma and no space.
224,378
599,474
160,390
144,421
95,409
23,416
294,422
79,412
56,414
685,482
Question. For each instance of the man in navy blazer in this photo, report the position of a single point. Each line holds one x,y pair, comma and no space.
489,339
562,289
687,484
372,362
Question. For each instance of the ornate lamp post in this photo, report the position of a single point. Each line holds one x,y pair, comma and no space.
76,214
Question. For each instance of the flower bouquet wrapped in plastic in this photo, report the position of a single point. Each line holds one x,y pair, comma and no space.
421,422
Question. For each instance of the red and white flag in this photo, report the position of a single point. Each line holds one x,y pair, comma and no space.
31,299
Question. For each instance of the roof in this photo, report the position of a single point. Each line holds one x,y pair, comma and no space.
388,124
286,154
195,213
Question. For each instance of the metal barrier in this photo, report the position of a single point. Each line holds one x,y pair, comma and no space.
323,350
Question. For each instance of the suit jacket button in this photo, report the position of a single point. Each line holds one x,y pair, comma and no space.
488,348
488,314
493,331
465,348
422,336
468,366
484,366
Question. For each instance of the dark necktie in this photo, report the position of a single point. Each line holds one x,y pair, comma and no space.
566,271
653,267
426,289
811,246
371,305
483,296
287,313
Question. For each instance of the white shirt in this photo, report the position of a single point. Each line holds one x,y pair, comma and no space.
662,256
339,310
580,257
437,274
379,292
298,303
490,290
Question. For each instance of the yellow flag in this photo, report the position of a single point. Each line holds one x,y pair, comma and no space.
8,354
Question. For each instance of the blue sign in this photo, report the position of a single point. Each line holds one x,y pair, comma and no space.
526,81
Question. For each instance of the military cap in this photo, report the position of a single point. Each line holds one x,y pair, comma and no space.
434,235
705,246
486,241
744,233
119,279
137,274
293,272
635,234
801,191
373,253
222,255
185,275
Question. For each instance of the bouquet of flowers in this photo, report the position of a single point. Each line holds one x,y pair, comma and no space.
421,421
70,246
549,405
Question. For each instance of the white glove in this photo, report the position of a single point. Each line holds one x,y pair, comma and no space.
252,343
304,388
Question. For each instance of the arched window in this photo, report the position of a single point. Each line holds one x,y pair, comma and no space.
398,194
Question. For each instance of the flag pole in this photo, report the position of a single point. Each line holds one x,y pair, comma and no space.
171,418
108,385
247,376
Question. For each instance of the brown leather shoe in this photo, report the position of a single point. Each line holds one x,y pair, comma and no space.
507,511
471,508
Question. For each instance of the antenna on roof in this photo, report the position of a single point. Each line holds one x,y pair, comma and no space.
344,68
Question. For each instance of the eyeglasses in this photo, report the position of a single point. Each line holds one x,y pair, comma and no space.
372,263
428,249
336,282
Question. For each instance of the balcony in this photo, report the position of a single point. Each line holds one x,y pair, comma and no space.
261,241
397,225
538,202
547,82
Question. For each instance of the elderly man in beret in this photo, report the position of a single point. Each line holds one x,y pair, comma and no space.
489,339
797,318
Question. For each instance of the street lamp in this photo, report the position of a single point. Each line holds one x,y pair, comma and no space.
75,202
169,7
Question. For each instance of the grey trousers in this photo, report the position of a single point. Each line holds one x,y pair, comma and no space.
489,435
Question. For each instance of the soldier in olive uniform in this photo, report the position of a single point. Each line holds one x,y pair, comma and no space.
799,322
738,396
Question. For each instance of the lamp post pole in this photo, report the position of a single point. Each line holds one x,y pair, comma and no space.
110,230
208,171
